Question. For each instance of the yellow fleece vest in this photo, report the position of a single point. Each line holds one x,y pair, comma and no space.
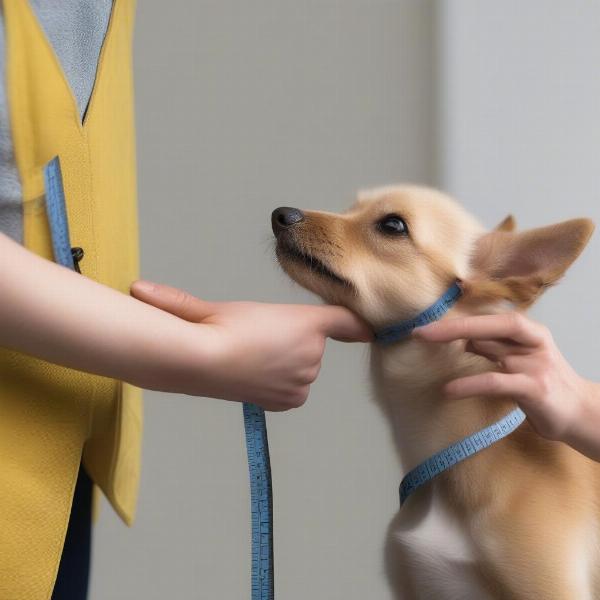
52,417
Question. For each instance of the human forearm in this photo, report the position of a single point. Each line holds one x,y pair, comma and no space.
56,314
262,353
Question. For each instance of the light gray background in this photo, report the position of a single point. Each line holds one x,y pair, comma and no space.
245,106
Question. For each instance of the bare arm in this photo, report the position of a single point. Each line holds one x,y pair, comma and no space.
263,353
53,313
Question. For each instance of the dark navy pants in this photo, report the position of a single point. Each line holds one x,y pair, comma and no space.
73,573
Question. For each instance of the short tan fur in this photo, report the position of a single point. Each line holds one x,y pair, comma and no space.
519,520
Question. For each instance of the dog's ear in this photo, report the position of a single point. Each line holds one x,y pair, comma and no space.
507,224
518,267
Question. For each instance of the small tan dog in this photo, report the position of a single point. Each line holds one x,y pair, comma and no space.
520,519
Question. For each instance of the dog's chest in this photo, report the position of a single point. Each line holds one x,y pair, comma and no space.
440,555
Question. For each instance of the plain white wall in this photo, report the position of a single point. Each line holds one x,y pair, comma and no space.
243,107
519,109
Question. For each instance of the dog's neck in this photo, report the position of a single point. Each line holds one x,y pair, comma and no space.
408,378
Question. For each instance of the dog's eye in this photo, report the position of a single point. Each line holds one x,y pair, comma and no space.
392,225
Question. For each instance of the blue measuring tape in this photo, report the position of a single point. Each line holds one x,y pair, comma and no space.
57,214
459,451
401,330
261,502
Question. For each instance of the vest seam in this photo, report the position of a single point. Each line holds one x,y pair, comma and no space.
106,44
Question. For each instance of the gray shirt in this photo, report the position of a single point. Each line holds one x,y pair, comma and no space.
76,30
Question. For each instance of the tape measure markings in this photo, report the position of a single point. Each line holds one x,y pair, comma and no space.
261,502
57,214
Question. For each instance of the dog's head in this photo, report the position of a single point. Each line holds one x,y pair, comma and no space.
397,249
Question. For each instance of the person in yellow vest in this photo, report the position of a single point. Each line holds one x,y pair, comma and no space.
75,350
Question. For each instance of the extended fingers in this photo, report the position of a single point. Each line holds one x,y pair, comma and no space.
491,383
491,350
342,324
512,326
495,350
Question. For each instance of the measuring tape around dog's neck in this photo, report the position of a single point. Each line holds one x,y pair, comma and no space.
401,330
468,446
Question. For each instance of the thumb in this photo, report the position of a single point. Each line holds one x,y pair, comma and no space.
173,300
343,325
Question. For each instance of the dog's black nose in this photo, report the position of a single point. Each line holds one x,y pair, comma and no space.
284,217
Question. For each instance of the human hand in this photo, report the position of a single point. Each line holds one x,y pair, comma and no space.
267,354
560,405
